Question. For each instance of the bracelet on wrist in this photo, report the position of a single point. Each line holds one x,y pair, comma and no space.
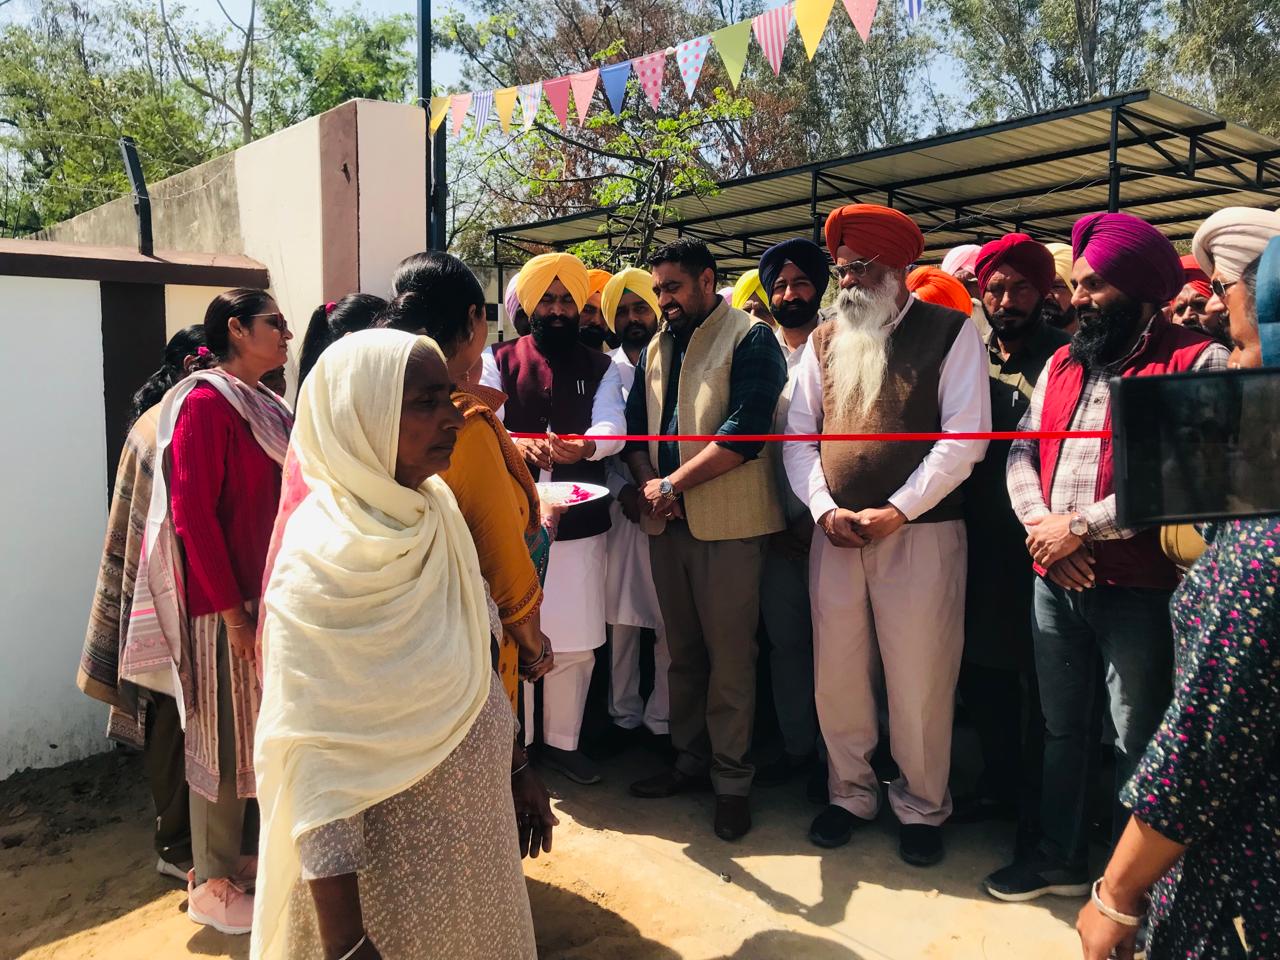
520,768
356,949
1111,913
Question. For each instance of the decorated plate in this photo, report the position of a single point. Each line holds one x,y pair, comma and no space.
567,494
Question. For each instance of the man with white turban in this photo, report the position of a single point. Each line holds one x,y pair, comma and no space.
557,385
1228,242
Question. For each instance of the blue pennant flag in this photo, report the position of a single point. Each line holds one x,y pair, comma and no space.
614,79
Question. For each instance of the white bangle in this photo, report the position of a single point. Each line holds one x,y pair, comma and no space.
352,952
1124,919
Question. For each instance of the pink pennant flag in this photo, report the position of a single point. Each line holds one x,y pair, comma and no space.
584,88
690,56
771,29
557,94
861,12
458,108
649,70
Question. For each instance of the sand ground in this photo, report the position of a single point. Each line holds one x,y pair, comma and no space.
628,879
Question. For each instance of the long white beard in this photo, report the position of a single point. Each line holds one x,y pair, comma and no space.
858,354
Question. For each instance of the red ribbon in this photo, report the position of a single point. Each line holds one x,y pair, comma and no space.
829,437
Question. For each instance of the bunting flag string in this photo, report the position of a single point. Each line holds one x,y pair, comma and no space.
690,56
584,88
649,70
771,30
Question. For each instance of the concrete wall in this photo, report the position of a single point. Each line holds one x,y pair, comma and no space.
55,499
184,306
393,204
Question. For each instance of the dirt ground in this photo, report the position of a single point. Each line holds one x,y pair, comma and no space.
627,880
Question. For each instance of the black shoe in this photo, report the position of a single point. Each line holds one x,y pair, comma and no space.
920,844
611,741
816,787
569,763
733,817
978,809
833,827
783,770
1023,881
668,784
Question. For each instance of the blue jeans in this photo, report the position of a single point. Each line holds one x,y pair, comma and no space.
1130,628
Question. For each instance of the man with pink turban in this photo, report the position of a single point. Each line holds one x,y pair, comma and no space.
1100,589
962,263
515,313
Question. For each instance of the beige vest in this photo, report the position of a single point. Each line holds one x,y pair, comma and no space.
746,501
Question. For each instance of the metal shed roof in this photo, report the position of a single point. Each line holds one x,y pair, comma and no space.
1141,151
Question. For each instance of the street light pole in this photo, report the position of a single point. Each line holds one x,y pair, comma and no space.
436,177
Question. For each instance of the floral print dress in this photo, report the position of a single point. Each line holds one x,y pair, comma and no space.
1210,778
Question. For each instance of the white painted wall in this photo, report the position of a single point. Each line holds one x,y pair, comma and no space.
53,495
393,205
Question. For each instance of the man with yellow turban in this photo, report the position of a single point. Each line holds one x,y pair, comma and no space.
750,296
1058,311
631,309
594,329
887,571
554,385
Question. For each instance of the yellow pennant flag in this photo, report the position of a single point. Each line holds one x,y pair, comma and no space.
504,101
439,110
811,18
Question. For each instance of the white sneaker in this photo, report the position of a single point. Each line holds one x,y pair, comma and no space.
167,869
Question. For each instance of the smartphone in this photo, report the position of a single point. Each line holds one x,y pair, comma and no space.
1196,446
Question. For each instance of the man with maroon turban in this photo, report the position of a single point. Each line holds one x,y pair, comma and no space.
1101,588
997,678
887,571
1195,305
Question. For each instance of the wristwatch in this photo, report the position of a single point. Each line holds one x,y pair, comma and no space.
667,491
1078,525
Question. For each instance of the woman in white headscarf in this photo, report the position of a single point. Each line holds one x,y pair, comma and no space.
384,741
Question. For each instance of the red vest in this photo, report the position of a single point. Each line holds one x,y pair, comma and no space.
557,393
1165,348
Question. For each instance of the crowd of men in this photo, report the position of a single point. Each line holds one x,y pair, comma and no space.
888,574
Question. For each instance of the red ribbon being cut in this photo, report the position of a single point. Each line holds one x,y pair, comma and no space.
830,437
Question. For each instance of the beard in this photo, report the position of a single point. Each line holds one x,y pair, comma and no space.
795,313
551,339
1012,324
593,336
858,354
1103,334
1055,316
635,334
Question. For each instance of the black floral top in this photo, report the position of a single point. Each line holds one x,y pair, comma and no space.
1210,778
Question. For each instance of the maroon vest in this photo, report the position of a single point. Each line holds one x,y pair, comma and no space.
1138,561
557,393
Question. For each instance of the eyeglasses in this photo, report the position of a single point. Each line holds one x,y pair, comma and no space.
274,320
1220,288
855,268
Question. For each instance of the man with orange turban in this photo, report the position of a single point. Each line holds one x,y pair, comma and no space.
887,571
932,285
594,328
1101,590
557,385
997,676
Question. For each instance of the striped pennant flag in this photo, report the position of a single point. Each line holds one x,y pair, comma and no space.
482,104
530,100
915,8
771,29
458,110
649,70
690,57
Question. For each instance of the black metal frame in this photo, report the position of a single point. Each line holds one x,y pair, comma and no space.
1129,128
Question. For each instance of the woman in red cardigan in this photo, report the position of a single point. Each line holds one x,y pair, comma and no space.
227,436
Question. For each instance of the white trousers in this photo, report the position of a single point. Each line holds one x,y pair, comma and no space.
564,697
625,704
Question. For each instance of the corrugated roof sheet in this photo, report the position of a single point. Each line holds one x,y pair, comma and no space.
1177,164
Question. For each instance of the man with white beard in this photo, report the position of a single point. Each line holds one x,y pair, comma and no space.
887,578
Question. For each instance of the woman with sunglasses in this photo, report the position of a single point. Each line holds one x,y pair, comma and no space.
221,443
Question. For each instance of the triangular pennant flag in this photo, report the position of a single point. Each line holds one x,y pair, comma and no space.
530,100
505,102
483,104
690,56
584,88
614,80
649,70
458,109
771,29
439,110
557,92
732,44
915,8
862,13
811,19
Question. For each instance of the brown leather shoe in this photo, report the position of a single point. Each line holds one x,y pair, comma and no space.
668,784
733,817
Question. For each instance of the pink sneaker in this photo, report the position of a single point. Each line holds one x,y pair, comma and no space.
220,904
246,877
